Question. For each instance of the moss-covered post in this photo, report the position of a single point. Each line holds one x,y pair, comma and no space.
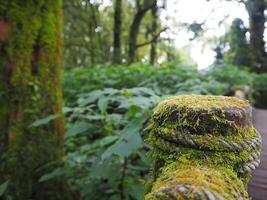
204,147
30,59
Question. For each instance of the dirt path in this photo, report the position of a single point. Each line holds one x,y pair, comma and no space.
258,185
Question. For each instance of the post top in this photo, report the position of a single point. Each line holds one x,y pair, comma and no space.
203,114
203,102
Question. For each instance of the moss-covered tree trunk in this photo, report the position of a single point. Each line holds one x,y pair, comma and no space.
30,59
257,20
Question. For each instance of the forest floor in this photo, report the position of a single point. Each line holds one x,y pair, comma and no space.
258,185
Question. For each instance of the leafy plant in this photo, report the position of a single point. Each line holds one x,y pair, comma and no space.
161,79
3,188
105,153
260,90
108,108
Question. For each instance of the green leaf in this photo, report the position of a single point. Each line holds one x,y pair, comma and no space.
93,96
142,91
105,169
3,188
67,110
115,197
136,189
107,140
133,126
94,117
129,140
44,121
143,102
124,147
110,91
78,128
102,104
56,173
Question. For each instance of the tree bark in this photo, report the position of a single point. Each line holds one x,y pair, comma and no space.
256,10
134,29
117,32
30,60
153,49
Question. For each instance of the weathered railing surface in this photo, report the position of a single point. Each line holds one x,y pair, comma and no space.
204,147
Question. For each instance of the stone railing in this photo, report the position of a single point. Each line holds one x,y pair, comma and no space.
204,147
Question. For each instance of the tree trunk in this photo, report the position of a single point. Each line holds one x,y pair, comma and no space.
134,29
153,50
117,32
256,10
30,59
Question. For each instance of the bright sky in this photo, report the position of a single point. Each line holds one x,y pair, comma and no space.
188,11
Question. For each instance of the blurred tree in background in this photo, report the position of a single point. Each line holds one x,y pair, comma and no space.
238,53
117,32
102,32
257,21
97,33
256,53
87,40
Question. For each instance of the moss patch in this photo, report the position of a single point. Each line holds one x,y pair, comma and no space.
203,102
179,181
203,114
203,146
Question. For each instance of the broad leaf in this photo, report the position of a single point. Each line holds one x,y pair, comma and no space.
129,140
67,110
44,121
136,189
93,96
3,188
78,128
56,173
107,140
124,147
102,104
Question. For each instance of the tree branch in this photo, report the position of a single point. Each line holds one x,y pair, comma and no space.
155,38
147,5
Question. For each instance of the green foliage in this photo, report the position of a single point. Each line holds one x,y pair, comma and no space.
93,23
167,79
44,120
77,128
238,54
162,80
229,75
106,157
55,173
3,188
108,108
260,90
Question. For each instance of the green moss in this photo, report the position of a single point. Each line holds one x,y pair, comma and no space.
194,136
208,141
203,114
203,102
29,82
179,181
169,152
